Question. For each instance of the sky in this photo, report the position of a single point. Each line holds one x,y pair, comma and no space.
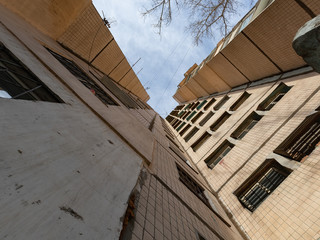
165,58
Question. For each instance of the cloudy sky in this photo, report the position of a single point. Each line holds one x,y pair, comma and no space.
164,59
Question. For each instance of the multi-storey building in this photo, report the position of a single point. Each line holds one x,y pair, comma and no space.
83,156
249,119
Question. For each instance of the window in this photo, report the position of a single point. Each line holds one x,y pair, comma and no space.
246,125
200,141
221,102
197,117
191,134
169,118
195,105
201,104
185,129
274,97
181,113
120,94
218,154
84,79
192,185
185,115
209,104
177,124
200,237
18,82
181,125
261,184
206,118
191,115
220,121
240,101
302,141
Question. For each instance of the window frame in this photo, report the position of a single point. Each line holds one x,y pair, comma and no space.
244,96
245,124
265,105
300,134
220,121
212,160
20,77
83,78
257,177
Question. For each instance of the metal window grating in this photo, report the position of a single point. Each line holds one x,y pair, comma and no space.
261,183
84,79
18,82
301,142
192,185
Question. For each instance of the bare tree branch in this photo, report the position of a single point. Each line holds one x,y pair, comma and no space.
204,15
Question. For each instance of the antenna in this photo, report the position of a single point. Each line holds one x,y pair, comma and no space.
109,21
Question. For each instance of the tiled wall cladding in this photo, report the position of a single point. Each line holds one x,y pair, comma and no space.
292,211
167,209
160,215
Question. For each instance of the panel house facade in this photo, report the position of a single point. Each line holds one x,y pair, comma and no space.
256,142
83,156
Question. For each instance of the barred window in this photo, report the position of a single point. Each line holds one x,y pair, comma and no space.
240,101
206,118
191,134
217,124
84,79
192,185
184,130
18,82
193,120
197,144
261,184
219,154
302,141
246,125
221,102
274,97
209,104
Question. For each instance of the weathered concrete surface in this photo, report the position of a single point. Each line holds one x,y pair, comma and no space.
64,172
56,157
307,43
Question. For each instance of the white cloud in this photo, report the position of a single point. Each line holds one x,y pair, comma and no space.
160,56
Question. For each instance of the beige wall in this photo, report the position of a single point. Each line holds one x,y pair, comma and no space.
291,212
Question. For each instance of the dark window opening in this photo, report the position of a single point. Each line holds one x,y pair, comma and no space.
186,115
206,118
191,134
18,82
195,105
201,104
217,124
221,102
191,115
218,154
197,117
84,79
185,129
125,98
274,97
302,141
197,144
246,125
181,125
210,103
261,184
240,101
192,185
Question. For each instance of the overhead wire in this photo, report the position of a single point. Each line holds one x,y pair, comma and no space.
169,82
